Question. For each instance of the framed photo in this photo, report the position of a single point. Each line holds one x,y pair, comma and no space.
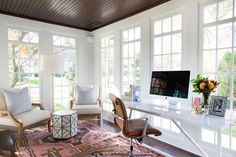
218,105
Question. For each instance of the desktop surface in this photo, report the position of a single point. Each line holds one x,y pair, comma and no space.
175,113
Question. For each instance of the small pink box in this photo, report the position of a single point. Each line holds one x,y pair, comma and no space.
196,101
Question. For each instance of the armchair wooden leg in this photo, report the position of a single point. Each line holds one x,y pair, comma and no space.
20,135
49,125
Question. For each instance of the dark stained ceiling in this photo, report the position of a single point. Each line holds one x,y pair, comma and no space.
81,14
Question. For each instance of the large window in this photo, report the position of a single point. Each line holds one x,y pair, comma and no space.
24,61
64,82
131,49
107,54
218,26
167,43
107,73
167,49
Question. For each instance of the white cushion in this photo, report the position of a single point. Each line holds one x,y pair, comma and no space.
86,94
18,100
28,118
2,101
87,109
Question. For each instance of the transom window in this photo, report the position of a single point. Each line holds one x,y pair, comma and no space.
64,81
23,53
167,43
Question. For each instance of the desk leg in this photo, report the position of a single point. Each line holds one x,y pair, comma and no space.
190,138
130,113
219,133
101,121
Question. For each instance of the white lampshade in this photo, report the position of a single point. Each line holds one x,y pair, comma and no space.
52,63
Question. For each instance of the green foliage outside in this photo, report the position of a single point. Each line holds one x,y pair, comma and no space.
58,107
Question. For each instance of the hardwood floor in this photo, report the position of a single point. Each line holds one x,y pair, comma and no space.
7,148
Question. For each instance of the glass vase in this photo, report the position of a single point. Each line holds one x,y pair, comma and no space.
205,104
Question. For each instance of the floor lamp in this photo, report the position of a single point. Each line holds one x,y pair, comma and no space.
52,64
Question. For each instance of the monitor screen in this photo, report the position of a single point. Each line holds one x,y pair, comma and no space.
170,83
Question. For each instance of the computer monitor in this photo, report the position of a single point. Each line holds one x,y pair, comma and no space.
170,83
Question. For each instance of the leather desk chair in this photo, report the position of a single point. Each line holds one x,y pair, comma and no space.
135,129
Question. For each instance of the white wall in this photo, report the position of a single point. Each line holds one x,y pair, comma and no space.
190,59
84,49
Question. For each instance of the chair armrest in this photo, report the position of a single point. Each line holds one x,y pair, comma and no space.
11,117
38,105
99,101
72,102
145,127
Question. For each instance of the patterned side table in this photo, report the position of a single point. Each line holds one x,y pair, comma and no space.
64,124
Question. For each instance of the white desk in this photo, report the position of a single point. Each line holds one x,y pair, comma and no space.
210,121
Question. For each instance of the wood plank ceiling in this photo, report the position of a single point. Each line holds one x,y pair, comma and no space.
81,14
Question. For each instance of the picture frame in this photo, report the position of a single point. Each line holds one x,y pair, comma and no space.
218,105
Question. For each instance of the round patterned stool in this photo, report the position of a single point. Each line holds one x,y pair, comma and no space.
64,124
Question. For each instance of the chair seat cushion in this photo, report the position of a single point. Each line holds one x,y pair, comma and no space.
87,109
28,118
136,126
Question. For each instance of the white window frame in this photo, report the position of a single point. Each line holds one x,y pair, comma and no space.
201,49
121,50
153,20
28,43
75,49
107,106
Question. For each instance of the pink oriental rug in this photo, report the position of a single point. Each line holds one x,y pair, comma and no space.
87,143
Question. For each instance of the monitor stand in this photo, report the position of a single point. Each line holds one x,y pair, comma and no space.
172,104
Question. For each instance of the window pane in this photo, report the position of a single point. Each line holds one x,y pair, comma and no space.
176,43
137,48
209,136
125,51
224,60
176,61
209,61
131,50
167,25
210,13
157,27
224,86
176,22
166,46
234,90
137,33
166,62
225,35
131,34
157,45
125,36
225,9
209,38
157,62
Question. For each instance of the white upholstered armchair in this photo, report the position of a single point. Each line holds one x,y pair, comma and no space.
19,114
86,101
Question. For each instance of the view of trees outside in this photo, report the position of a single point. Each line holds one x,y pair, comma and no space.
64,81
219,59
167,49
167,43
131,49
24,61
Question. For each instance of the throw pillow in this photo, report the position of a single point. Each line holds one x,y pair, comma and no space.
18,100
86,95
